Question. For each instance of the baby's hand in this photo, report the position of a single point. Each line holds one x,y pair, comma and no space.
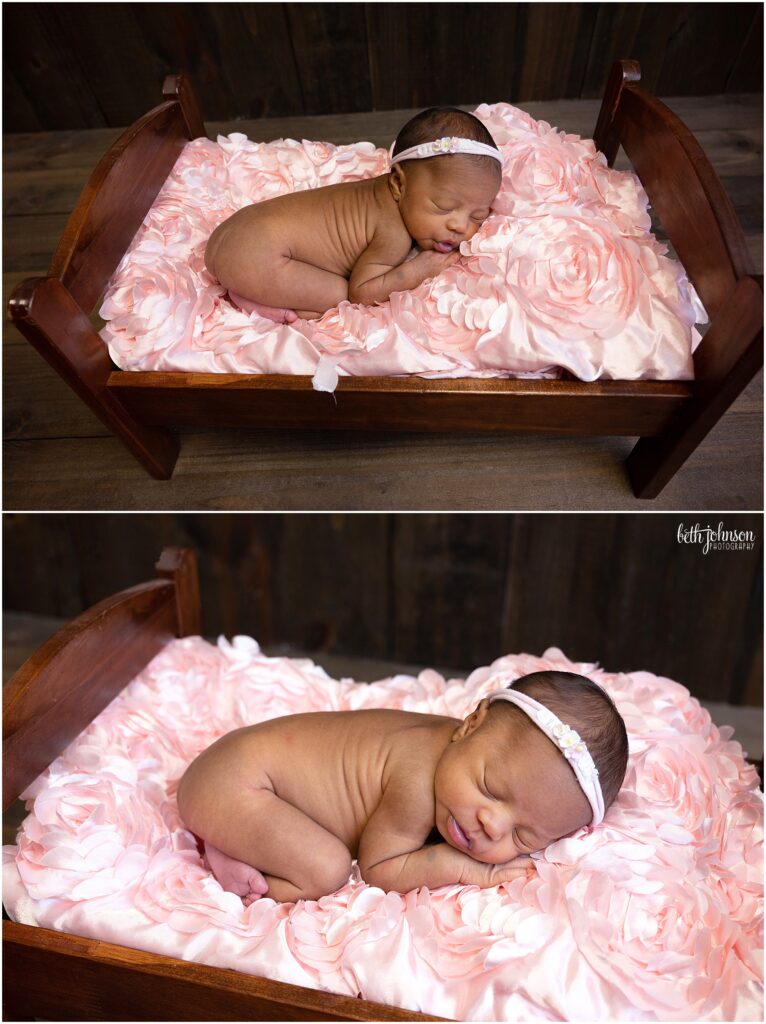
430,262
487,875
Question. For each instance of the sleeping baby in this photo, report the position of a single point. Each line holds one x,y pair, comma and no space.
284,806
298,255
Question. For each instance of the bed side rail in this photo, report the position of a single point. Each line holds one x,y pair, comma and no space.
682,186
120,192
61,688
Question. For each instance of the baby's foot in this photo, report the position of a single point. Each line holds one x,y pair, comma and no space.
277,313
236,876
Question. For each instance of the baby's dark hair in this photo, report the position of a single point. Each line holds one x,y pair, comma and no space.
437,122
590,711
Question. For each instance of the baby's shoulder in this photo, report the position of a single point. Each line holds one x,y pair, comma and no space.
417,745
384,213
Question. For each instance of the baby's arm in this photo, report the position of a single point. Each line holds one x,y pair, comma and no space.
383,268
392,855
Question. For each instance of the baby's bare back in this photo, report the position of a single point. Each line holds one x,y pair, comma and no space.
327,227
332,766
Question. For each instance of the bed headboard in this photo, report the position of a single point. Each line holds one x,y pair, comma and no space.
61,688
682,186
120,192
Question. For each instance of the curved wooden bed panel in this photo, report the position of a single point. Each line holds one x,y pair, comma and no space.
670,418
61,688
51,699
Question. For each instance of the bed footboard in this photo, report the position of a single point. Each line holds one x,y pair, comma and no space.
63,686
53,312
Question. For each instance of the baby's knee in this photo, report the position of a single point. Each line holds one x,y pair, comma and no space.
186,799
211,247
328,874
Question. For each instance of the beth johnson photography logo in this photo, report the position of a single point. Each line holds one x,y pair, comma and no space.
716,538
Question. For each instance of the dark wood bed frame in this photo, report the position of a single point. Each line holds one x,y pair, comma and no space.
670,418
51,699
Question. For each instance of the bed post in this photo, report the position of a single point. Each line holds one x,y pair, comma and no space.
605,137
50,319
728,357
176,87
179,565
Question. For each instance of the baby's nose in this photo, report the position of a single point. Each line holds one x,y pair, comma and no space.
458,222
491,824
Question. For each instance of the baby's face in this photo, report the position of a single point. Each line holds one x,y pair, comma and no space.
445,200
500,795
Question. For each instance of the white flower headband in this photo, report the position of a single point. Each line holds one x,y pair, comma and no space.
567,740
443,147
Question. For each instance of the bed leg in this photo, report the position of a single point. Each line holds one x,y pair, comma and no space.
604,135
180,566
50,319
728,357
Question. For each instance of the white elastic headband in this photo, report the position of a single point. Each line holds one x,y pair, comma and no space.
443,147
569,743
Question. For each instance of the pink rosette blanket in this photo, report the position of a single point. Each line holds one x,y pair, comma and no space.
654,915
565,274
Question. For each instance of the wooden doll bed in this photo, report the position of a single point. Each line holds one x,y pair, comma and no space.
51,699
670,418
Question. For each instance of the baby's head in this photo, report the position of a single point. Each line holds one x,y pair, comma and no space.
443,199
505,787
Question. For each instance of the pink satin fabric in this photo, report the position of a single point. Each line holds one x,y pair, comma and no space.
564,275
655,915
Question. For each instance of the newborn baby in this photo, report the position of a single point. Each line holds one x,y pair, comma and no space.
299,255
285,805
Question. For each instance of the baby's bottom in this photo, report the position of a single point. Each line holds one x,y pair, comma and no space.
284,289
264,843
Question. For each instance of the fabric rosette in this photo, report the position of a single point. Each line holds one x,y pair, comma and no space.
88,836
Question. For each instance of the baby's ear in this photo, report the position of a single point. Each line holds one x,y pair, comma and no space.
472,721
396,180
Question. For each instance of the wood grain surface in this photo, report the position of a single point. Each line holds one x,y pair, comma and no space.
449,590
89,65
57,976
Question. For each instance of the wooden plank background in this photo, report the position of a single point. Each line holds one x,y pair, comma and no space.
72,66
454,591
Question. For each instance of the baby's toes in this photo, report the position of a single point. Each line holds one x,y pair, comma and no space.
258,884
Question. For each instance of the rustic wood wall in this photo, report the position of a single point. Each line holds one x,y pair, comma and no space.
453,591
73,65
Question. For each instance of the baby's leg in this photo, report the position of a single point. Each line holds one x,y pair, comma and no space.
280,316
283,283
275,313
297,857
305,287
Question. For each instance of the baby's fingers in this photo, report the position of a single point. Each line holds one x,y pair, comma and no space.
521,867
522,862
